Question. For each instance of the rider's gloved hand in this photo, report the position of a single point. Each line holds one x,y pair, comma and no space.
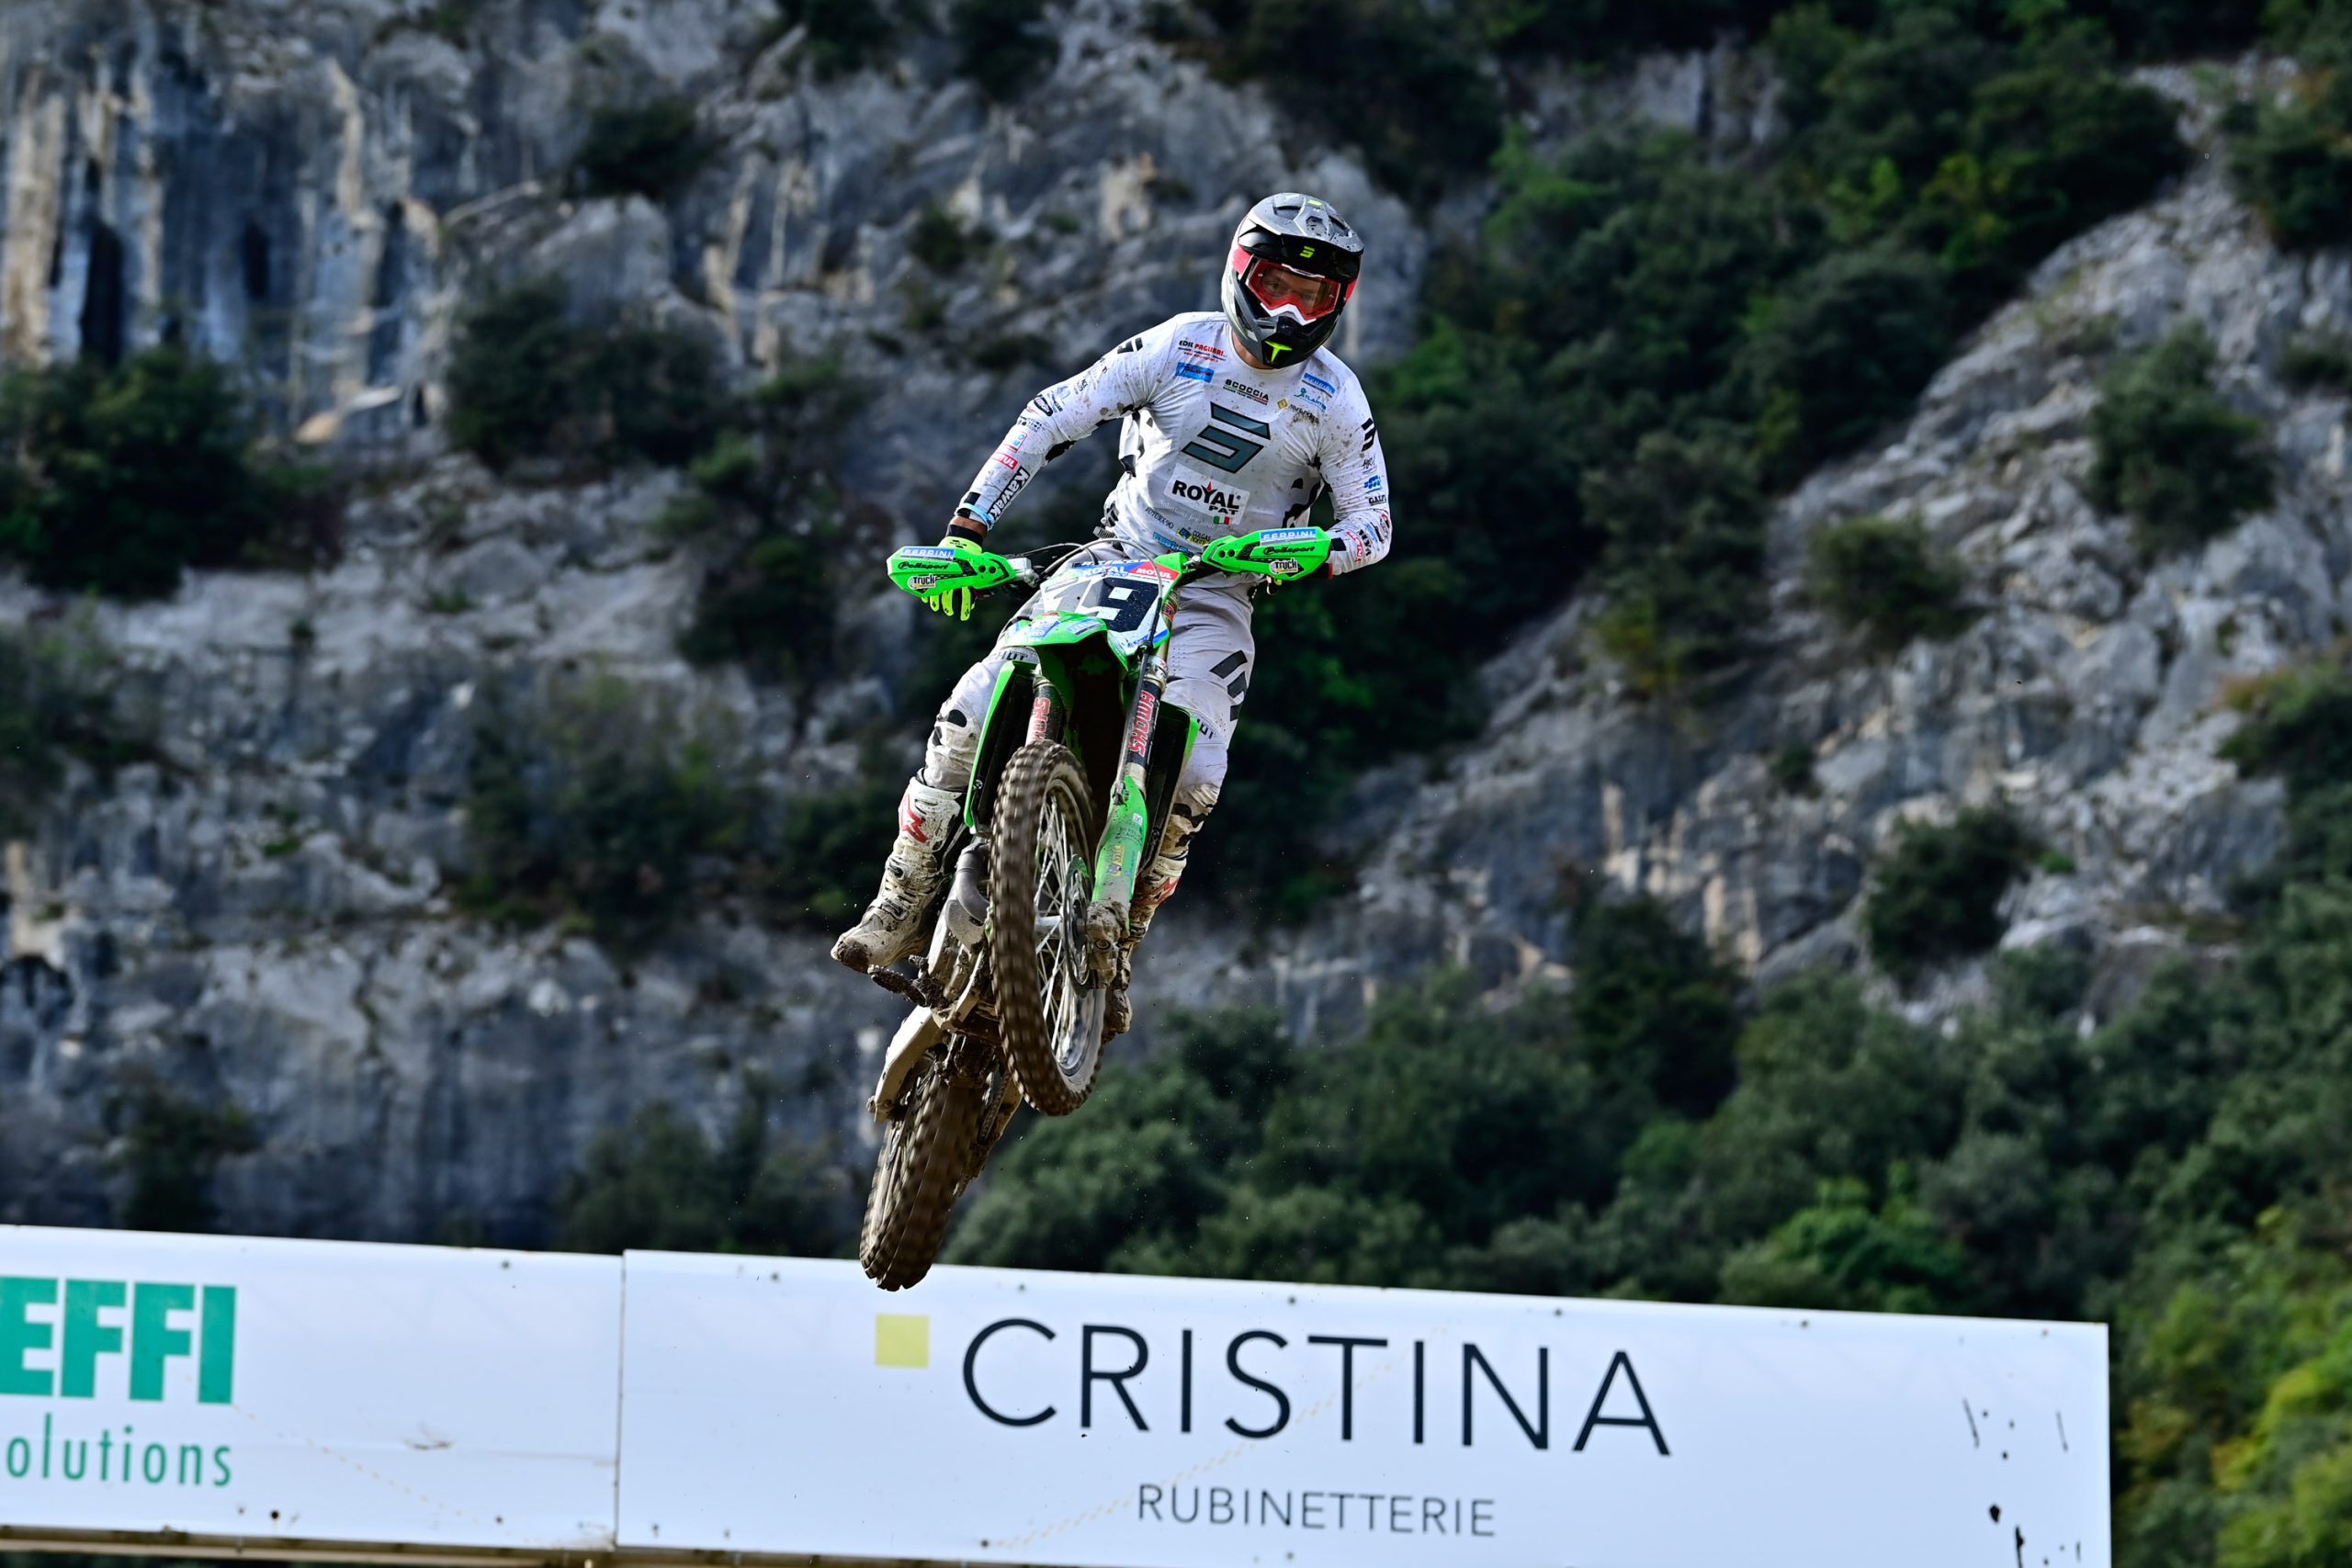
957,602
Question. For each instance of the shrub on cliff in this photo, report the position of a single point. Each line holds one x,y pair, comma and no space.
659,1183
1939,890
2289,154
765,517
2171,451
55,705
528,380
1885,579
115,481
1684,523
1843,350
1003,46
648,149
843,35
170,1148
2298,726
594,812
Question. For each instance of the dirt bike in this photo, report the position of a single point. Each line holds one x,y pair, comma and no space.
1075,773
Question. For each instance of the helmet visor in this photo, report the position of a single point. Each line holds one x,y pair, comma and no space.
1308,295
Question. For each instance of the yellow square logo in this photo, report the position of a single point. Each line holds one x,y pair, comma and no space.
901,1339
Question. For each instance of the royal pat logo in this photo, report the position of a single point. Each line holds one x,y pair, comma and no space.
61,1338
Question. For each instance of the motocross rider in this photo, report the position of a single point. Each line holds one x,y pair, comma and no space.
1228,424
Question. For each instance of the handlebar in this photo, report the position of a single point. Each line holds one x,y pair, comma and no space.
1275,554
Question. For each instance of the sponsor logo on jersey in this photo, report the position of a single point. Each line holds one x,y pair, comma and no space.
1187,347
1321,386
1310,403
1243,389
1375,481
1202,495
1195,373
1012,487
1008,457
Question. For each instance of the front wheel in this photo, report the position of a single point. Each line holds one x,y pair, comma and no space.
1041,872
926,1160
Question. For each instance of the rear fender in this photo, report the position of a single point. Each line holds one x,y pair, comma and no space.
917,1033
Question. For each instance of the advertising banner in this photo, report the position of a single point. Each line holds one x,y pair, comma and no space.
993,1416
306,1390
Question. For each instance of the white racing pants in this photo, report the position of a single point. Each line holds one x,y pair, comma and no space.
1210,659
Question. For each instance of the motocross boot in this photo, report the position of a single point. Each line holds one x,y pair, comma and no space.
892,926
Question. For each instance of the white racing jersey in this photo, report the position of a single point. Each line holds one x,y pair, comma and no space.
1209,446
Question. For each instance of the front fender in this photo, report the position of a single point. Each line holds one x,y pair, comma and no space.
1067,629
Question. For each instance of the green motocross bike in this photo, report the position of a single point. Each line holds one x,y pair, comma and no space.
1075,773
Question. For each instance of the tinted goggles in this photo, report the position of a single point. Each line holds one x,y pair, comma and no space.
1277,287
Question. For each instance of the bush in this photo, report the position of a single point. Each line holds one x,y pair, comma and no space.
1841,1254
648,149
843,36
594,814
115,481
941,240
55,705
1843,350
2291,160
765,509
2171,452
1652,1007
833,849
1939,890
1003,45
1685,525
2298,726
2051,148
1885,579
660,1184
528,381
1391,76
171,1149
2318,362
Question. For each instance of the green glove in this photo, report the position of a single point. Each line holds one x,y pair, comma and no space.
954,602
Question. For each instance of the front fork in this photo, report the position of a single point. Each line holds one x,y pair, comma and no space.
1118,860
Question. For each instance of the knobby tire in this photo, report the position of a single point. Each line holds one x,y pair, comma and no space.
924,1162
1040,773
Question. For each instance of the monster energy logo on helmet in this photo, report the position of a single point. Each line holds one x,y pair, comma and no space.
1289,275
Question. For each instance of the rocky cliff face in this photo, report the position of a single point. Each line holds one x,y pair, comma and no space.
2088,692
262,914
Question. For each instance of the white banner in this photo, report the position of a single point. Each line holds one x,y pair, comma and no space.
306,1390
992,1415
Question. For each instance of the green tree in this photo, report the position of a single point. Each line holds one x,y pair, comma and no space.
115,481
648,149
527,380
1884,577
1939,890
660,1183
2171,452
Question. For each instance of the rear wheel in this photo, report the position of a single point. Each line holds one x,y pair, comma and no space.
1041,875
926,1158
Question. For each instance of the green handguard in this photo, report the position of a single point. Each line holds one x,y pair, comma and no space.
923,570
1278,553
